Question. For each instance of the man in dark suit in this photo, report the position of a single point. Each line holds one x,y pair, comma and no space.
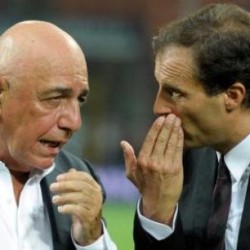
202,67
50,199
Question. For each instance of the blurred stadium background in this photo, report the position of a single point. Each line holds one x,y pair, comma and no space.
116,38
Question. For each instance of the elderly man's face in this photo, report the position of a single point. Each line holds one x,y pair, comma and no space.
40,111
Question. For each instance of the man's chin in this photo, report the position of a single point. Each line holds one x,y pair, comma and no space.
189,143
43,162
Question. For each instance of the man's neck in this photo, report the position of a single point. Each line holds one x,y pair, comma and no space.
18,181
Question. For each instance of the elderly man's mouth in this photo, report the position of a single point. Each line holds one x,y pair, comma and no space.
52,144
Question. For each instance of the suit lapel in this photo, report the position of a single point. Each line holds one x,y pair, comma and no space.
199,170
204,190
60,224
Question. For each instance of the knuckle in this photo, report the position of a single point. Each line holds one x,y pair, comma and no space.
161,140
172,146
142,161
149,139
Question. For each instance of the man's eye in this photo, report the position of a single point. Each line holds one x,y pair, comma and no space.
82,100
55,98
173,94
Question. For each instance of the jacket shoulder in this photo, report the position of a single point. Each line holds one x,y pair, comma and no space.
66,160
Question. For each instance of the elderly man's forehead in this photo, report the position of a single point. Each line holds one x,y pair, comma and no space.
38,42
30,33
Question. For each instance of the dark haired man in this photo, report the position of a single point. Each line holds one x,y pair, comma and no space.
202,66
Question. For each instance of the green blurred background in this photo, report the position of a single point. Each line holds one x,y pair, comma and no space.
119,218
120,205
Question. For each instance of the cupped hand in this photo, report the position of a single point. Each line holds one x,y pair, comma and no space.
157,172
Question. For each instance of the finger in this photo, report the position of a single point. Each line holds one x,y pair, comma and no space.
79,210
164,135
130,158
174,147
74,186
69,198
73,174
179,147
77,198
151,137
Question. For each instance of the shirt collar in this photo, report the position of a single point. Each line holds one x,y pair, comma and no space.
238,158
39,174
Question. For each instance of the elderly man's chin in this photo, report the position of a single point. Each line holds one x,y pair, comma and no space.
37,162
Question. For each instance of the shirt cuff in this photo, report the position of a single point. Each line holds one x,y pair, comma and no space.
158,230
104,242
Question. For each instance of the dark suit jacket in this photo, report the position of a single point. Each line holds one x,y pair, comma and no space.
200,167
61,224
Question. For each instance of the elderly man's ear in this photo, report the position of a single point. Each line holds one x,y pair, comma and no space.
4,86
1,89
235,96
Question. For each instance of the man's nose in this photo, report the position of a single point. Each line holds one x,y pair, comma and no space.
70,118
161,106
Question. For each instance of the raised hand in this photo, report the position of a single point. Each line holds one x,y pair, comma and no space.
79,195
157,172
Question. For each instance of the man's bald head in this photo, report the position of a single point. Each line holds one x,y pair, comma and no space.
43,81
36,43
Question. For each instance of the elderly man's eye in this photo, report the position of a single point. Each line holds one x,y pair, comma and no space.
82,100
55,98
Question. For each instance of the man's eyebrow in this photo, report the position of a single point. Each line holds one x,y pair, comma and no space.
63,91
85,92
173,88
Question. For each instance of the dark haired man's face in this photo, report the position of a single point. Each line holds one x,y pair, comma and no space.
203,117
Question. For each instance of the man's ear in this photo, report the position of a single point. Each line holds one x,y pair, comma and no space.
1,89
1,95
235,96
4,86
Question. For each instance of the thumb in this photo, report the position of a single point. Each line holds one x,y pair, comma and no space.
130,159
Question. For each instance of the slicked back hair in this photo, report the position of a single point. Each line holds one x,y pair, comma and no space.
219,38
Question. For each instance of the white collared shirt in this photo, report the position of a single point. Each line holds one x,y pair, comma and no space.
27,226
24,227
238,163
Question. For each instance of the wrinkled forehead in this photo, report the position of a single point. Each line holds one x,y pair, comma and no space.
174,61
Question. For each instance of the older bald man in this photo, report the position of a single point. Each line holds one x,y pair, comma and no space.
49,198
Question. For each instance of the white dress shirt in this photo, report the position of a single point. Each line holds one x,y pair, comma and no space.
27,226
238,163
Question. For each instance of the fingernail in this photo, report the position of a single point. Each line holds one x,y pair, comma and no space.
170,118
60,177
122,145
55,198
54,186
160,120
60,209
